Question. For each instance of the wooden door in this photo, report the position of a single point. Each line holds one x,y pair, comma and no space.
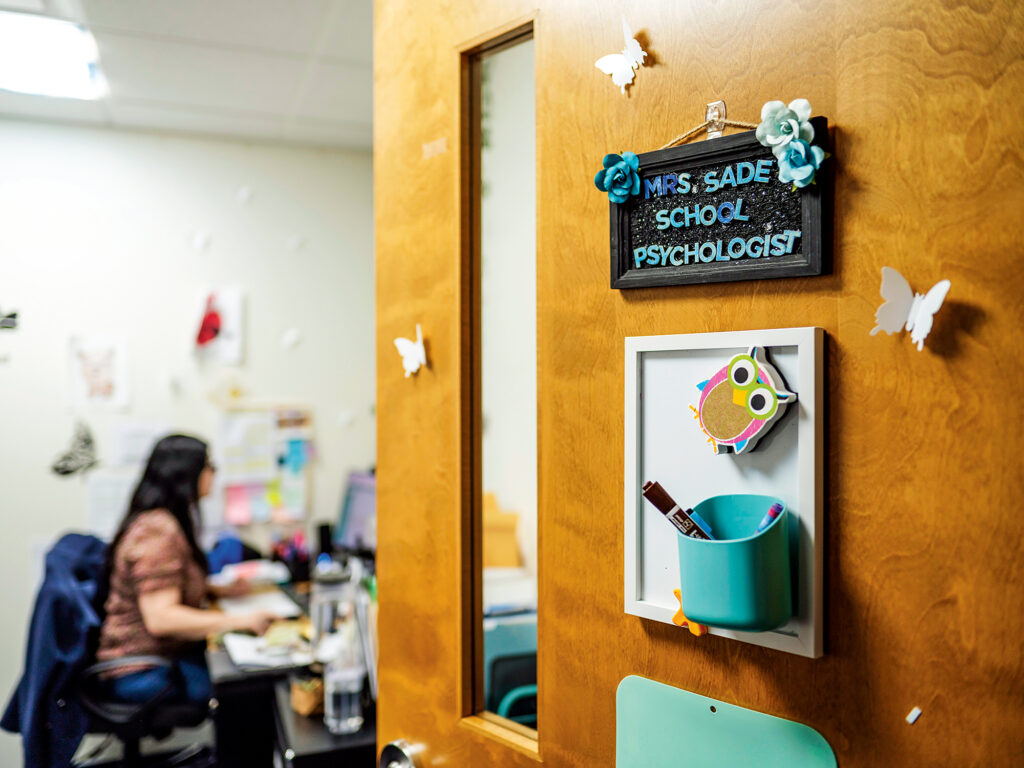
927,124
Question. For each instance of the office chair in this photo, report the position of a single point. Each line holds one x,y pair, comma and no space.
510,667
59,697
129,723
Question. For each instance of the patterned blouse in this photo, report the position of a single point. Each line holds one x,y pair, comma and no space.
153,554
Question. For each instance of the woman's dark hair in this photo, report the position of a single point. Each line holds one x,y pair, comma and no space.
171,482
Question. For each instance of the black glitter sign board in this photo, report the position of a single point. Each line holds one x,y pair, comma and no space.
715,211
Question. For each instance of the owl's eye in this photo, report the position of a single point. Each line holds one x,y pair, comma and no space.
762,403
743,372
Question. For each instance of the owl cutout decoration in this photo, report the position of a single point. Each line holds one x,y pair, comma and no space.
741,402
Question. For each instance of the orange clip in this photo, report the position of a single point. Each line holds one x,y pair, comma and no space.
680,619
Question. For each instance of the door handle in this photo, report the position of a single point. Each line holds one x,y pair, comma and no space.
399,754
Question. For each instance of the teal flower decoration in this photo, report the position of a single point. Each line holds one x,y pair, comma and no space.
781,124
620,176
798,162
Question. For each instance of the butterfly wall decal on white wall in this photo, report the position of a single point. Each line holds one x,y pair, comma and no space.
622,65
80,456
413,353
904,309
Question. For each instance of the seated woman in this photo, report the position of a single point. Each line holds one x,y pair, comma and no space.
157,576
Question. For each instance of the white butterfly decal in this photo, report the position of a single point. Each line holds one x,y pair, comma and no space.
621,65
905,309
413,353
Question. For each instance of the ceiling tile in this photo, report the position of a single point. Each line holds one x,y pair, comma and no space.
49,108
348,35
327,133
34,6
179,73
291,70
155,117
285,26
338,92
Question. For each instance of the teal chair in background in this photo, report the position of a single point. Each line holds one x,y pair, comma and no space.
510,667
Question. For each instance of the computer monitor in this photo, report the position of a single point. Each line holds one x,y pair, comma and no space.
357,526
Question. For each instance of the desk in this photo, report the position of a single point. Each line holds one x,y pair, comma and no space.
244,719
304,742
254,719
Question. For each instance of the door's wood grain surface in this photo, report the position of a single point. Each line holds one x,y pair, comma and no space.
925,100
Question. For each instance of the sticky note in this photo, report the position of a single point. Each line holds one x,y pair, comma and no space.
258,504
236,506
296,456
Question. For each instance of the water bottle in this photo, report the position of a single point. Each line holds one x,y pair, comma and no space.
343,683
331,599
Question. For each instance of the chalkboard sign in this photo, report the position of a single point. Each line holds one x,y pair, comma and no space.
715,211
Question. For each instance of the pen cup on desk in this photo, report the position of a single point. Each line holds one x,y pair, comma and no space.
742,579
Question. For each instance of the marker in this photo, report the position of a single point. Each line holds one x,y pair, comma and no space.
688,522
771,514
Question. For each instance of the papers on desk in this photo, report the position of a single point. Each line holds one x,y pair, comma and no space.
275,601
253,571
249,651
508,591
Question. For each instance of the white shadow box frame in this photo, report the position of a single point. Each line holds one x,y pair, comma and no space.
664,443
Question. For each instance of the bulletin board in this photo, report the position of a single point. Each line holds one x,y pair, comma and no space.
664,443
265,454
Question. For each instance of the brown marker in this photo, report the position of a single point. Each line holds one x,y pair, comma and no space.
679,517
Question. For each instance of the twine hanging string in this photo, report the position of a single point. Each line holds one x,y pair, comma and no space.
704,126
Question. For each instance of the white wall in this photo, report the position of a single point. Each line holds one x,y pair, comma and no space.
95,230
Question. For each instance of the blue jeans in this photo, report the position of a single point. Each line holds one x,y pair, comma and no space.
189,677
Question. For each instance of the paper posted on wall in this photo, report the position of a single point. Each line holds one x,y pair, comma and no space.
133,441
107,496
247,449
220,336
97,372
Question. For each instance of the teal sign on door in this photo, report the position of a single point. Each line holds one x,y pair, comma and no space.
656,724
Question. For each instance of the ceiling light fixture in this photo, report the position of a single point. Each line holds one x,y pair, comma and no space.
48,57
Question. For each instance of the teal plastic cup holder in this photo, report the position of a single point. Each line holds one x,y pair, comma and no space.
742,579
